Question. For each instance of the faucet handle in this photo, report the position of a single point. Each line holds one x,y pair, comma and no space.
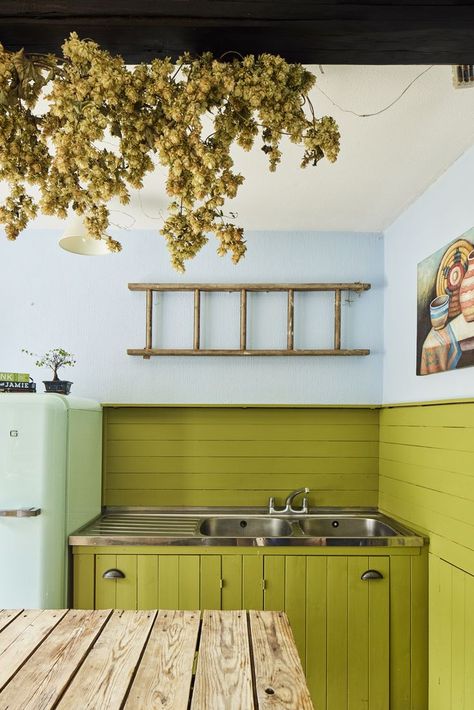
271,504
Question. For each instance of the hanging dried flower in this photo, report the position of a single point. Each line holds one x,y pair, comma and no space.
186,116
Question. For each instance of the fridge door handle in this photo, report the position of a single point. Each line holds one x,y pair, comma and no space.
20,513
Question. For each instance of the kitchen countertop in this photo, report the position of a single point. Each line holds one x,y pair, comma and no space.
184,527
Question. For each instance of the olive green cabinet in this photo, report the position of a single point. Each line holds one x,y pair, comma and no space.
359,620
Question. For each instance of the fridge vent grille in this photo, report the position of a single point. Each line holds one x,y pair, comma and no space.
463,75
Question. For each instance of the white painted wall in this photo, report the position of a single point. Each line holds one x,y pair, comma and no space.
50,298
441,214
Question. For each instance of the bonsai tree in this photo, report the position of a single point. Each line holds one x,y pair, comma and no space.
54,359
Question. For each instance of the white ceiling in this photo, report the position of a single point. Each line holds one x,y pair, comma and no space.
385,162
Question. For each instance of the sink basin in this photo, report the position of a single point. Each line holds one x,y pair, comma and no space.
346,527
245,527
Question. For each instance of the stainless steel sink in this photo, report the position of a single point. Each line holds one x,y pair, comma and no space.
245,527
346,527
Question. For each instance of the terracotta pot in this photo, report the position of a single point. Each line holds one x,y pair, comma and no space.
466,292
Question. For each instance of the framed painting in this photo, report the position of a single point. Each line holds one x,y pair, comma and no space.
445,308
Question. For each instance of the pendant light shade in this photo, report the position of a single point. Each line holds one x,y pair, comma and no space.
76,239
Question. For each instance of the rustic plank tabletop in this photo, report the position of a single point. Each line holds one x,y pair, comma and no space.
141,660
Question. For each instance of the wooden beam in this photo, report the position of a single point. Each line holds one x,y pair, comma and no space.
179,351
250,287
337,320
149,319
327,31
197,319
291,313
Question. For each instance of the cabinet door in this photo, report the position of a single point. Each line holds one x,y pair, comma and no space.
285,590
347,633
116,592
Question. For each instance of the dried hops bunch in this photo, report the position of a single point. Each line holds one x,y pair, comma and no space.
106,124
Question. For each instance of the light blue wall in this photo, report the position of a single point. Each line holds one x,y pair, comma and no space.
51,298
443,213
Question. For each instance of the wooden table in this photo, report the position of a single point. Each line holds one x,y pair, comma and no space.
173,660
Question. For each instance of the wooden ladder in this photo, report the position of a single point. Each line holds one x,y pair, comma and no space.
290,289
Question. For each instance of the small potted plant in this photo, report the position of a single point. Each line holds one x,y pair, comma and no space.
55,359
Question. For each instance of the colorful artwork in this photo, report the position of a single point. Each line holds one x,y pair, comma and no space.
445,337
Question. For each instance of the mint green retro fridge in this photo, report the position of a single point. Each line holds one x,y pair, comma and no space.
50,484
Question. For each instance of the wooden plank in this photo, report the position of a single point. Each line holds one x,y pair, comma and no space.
147,581
189,582
305,465
291,320
295,600
252,582
84,581
170,352
243,319
379,633
7,616
105,589
265,482
149,320
232,582
103,679
434,437
400,633
279,676
363,33
449,460
435,641
358,631
444,415
458,640
316,629
223,674
274,590
252,448
168,582
293,415
469,635
22,637
210,581
241,497
228,431
443,619
228,288
41,682
197,319
337,320
126,589
164,676
337,632
419,630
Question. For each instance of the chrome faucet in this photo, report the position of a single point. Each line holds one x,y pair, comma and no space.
288,509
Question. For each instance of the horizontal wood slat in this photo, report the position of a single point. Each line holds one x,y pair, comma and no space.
427,473
215,456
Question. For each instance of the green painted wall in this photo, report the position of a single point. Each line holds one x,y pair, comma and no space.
427,480
239,456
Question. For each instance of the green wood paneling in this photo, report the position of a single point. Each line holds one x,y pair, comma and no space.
232,582
427,479
239,455
83,581
210,582
316,629
427,476
451,637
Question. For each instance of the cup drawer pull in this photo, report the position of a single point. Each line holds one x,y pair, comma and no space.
371,574
113,574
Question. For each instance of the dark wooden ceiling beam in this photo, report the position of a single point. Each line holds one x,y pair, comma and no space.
334,31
